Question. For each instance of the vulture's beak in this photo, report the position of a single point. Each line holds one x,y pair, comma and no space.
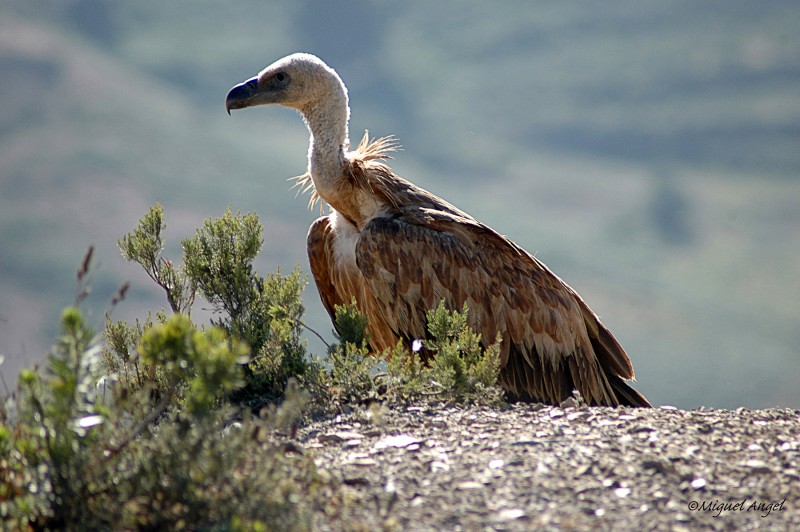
241,95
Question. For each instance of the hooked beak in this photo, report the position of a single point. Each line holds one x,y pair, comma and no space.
241,95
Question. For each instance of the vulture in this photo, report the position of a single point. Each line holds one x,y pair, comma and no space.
398,250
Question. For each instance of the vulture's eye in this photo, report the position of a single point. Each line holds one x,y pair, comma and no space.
281,77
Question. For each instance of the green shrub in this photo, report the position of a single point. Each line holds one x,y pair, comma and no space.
69,457
144,246
263,312
122,359
353,367
49,444
202,364
460,369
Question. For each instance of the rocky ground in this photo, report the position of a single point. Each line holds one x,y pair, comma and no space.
524,467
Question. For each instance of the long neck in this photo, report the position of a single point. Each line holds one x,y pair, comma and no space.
327,122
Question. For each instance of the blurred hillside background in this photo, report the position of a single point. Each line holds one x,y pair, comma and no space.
648,152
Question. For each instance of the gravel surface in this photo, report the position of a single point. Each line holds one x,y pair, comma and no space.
524,467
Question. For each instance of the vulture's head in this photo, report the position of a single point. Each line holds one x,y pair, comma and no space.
299,81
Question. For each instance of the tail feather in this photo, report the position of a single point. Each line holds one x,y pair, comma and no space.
626,395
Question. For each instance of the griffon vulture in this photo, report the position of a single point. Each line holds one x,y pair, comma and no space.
398,250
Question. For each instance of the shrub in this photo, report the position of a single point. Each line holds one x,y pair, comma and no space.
460,369
263,312
144,246
50,432
353,367
183,461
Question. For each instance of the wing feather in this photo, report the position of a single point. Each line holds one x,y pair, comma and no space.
320,257
338,279
552,342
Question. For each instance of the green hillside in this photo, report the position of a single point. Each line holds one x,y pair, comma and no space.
648,152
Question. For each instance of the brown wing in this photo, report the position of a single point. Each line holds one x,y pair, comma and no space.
339,280
552,342
320,257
